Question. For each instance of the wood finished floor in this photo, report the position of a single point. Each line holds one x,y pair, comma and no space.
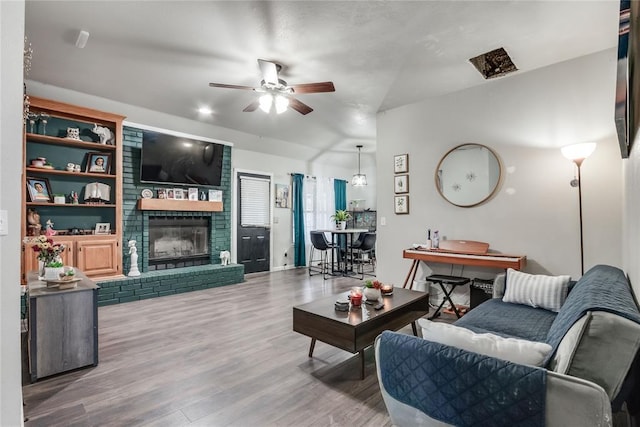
220,357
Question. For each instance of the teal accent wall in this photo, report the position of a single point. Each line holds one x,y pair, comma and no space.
168,282
135,221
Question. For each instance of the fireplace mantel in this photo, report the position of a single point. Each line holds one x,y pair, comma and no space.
178,205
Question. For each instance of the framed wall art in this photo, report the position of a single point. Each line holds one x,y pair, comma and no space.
401,184
282,196
401,205
401,163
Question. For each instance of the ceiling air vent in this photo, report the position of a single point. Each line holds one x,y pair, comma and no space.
494,64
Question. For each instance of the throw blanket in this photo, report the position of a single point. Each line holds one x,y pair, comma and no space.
460,387
602,288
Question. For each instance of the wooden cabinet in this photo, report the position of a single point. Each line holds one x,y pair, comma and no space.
63,327
97,256
66,166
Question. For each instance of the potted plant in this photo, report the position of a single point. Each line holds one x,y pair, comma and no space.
341,217
372,290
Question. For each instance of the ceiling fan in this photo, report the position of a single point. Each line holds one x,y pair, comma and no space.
277,92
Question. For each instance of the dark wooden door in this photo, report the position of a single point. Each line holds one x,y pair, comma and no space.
254,233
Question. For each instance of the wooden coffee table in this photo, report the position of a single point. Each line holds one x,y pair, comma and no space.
357,329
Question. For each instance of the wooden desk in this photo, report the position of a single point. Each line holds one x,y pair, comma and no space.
517,262
63,326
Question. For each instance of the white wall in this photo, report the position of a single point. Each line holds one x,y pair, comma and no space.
630,219
535,211
11,37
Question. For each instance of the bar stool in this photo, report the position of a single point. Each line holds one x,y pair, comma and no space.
365,253
452,281
319,243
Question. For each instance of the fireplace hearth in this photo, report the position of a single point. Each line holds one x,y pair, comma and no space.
176,242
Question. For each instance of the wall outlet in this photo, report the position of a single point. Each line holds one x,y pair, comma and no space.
383,221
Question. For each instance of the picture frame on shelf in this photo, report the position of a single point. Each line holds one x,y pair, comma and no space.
178,194
98,162
401,205
401,184
102,228
401,163
193,194
169,193
215,195
39,190
162,193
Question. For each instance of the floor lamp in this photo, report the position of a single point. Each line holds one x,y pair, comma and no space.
577,153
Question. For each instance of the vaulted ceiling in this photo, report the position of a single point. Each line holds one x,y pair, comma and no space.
380,55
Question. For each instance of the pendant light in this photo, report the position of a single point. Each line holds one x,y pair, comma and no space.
359,179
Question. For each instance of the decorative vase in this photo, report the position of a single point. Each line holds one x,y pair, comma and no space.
372,294
341,225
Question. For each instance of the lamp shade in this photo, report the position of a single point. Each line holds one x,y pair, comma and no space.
359,180
578,151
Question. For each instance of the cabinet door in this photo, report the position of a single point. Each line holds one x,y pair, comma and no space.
97,257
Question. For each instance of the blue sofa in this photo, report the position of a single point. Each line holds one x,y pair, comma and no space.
586,377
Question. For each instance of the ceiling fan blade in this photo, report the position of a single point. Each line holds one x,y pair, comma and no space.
269,71
231,86
300,107
313,87
252,107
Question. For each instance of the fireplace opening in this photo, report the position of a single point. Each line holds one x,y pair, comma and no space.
176,242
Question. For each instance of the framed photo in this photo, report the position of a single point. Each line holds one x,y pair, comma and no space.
39,190
401,163
98,163
162,193
102,228
178,194
282,196
401,205
169,193
193,194
215,195
401,184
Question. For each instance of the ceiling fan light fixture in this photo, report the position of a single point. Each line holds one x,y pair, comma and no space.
359,179
266,101
282,103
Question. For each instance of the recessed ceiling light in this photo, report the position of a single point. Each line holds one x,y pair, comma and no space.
205,110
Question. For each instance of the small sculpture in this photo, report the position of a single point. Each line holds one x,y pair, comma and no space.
133,251
225,257
49,230
33,218
105,134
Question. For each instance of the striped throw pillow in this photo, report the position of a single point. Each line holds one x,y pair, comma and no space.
536,290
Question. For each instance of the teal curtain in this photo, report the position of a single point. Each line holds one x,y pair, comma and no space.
340,193
299,257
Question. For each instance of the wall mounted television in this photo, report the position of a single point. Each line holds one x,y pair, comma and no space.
168,158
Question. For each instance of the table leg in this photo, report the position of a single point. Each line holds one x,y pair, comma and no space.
361,352
415,330
412,274
313,344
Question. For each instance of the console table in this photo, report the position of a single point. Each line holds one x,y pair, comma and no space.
517,262
63,326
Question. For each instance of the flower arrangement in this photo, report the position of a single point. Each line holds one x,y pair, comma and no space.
48,252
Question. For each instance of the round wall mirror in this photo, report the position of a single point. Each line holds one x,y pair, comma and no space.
468,175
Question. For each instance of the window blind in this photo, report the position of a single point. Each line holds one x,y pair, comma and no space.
254,201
